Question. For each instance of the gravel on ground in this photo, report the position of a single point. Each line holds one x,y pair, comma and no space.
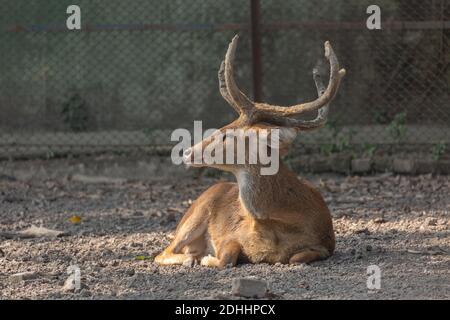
112,230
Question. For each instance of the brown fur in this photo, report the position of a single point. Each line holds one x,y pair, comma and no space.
296,226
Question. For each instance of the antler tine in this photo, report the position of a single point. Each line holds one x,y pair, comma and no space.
234,96
322,115
320,86
223,87
270,111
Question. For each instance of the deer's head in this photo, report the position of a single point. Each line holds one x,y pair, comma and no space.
272,127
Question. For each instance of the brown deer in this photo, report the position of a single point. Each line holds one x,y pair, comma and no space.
261,218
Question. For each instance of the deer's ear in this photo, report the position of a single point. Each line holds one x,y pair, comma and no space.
284,135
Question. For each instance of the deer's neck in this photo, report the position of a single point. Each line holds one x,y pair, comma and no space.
260,194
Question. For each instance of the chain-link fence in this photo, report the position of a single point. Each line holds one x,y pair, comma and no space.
138,69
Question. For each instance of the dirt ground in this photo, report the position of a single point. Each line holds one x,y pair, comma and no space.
399,223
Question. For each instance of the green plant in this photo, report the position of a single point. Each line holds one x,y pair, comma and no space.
397,127
333,126
342,141
369,149
75,113
438,150
327,148
148,132
289,158
49,154
380,117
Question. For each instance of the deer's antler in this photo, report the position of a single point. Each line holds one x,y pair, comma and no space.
228,88
283,116
322,114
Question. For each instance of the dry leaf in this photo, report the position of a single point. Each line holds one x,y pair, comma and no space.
75,219
141,258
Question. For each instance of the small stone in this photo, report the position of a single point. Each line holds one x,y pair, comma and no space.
85,293
130,272
38,259
158,214
114,263
171,217
249,288
23,276
70,285
379,220
369,247
362,231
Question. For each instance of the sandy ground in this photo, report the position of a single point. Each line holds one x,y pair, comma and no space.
398,223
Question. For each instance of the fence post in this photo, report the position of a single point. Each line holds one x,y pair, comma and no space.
256,50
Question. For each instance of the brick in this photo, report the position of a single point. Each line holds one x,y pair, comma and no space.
424,166
382,164
362,165
340,163
404,166
443,166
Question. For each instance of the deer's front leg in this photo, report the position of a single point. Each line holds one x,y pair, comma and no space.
227,256
189,242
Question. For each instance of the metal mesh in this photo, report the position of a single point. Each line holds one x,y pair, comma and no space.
139,69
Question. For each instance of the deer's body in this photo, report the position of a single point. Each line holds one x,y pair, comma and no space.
261,218
264,218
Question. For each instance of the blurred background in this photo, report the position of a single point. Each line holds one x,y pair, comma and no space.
139,69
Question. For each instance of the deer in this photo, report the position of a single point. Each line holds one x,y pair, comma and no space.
278,218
